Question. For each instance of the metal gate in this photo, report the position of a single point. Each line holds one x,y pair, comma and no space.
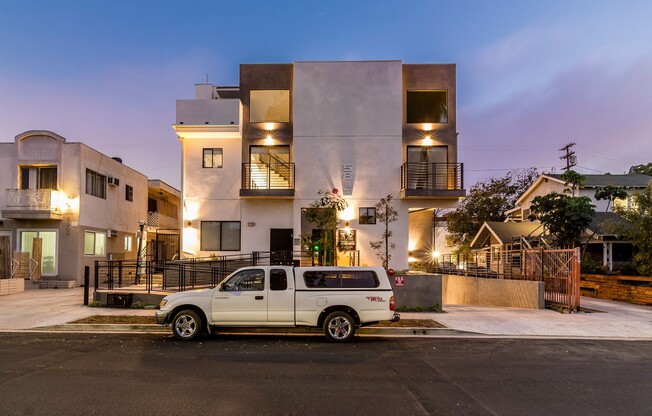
560,272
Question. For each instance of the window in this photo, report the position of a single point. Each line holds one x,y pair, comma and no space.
48,238
341,279
129,240
367,216
95,184
220,235
42,177
278,279
246,280
129,193
269,106
427,107
449,241
212,158
94,243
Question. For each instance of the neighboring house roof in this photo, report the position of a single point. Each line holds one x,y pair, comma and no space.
505,232
633,180
602,220
630,180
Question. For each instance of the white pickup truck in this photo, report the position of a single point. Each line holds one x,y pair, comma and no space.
337,299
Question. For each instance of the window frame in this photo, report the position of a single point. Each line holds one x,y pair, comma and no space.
129,193
202,246
410,103
97,185
97,243
212,154
367,221
254,110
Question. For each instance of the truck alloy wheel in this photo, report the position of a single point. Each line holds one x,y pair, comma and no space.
186,325
339,327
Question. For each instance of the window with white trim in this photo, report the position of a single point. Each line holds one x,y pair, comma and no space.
94,243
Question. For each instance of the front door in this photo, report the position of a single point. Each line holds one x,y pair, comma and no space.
280,245
241,300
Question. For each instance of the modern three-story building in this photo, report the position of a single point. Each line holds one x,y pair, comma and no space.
255,156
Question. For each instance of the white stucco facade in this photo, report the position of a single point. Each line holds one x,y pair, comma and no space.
347,130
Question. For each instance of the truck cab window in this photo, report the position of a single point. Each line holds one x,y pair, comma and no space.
278,279
246,280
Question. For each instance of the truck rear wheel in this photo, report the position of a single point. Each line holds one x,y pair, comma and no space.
186,325
339,327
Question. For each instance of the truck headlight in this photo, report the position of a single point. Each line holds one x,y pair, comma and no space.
163,303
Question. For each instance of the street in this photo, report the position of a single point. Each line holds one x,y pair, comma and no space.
88,374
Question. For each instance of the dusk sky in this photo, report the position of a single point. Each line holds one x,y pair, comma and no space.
532,76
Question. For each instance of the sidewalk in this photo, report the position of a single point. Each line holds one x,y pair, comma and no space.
55,309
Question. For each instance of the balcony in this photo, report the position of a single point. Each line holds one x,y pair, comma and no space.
267,180
159,220
432,180
32,204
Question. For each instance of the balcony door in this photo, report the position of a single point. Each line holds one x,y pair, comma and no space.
38,177
270,167
48,260
427,166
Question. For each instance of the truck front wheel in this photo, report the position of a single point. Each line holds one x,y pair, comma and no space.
186,325
339,327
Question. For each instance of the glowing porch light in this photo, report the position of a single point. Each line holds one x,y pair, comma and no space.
269,140
435,254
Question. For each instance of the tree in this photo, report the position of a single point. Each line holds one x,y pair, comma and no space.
640,233
323,215
487,201
609,193
565,217
573,180
386,214
644,169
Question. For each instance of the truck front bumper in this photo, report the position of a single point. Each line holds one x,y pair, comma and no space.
161,317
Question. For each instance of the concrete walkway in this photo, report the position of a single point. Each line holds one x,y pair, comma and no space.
49,308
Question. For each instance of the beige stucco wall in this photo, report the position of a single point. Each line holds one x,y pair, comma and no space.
84,212
463,290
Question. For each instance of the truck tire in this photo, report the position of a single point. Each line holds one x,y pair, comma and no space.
186,325
339,327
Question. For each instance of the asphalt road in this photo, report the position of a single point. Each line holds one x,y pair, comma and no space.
104,374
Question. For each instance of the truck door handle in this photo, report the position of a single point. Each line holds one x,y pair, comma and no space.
259,298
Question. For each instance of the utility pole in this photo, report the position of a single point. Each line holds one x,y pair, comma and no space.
571,159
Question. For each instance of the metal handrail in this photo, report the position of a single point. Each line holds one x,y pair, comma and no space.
432,176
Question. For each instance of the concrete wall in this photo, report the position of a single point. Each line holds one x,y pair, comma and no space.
429,290
418,291
464,290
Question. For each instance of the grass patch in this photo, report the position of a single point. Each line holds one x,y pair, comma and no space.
409,323
117,320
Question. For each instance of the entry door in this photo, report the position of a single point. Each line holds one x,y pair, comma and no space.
242,299
280,244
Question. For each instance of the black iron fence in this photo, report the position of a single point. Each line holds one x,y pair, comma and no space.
195,273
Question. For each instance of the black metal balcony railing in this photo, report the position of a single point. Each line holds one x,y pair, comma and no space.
268,176
435,177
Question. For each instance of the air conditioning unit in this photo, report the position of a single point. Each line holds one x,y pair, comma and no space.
111,233
113,181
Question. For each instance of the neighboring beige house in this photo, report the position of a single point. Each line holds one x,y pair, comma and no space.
518,232
82,205
255,155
